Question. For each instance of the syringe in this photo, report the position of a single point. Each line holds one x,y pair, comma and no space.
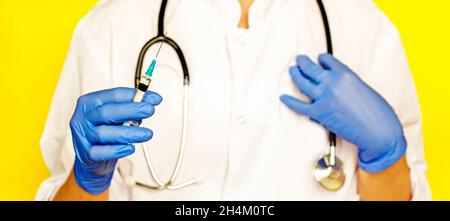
144,84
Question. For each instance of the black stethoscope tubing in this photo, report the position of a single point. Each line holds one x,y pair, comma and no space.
158,39
326,25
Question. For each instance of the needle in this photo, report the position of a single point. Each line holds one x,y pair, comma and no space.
151,68
160,46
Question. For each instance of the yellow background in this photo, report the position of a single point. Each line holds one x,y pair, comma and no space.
35,35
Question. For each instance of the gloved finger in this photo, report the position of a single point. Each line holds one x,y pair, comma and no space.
114,95
110,152
106,134
329,62
305,85
119,95
310,69
117,113
297,105
152,98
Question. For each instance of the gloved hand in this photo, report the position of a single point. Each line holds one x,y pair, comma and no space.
347,106
100,139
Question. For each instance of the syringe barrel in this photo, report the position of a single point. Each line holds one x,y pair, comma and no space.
139,96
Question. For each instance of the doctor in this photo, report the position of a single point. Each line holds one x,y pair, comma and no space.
262,100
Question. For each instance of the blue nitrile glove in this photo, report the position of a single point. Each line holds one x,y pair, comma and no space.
347,106
100,139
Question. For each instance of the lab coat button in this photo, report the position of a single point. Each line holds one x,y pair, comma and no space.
242,119
240,42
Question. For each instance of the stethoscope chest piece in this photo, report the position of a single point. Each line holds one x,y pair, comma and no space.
329,173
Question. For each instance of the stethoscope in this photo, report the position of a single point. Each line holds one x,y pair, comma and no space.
328,172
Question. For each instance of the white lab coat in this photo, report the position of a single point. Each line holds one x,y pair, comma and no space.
242,144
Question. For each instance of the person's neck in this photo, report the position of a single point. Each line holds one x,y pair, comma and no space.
245,7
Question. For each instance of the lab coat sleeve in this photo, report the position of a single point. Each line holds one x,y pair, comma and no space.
391,72
56,141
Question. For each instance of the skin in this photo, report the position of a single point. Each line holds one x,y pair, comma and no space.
245,7
393,184
70,191
390,184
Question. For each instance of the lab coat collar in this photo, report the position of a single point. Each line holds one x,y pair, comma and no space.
231,10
